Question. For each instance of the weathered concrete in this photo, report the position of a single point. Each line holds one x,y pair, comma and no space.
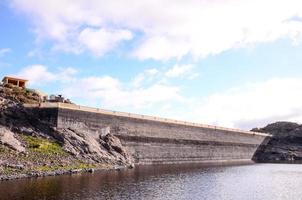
158,140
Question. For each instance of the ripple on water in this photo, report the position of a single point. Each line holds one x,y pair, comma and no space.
259,181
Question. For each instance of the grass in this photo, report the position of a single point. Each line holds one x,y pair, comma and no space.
51,151
10,171
43,146
42,155
67,167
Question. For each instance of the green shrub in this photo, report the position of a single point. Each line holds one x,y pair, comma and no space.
43,146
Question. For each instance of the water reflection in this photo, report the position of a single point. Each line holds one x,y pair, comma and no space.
260,181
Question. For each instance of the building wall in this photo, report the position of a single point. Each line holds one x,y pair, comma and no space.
162,142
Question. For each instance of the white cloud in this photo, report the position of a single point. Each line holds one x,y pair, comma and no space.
37,74
101,41
66,74
253,105
147,75
40,75
161,48
181,71
167,29
151,72
153,75
106,91
111,93
4,51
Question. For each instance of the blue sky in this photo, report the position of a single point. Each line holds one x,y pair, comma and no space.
214,62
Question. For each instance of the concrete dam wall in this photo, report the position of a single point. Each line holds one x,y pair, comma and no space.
153,140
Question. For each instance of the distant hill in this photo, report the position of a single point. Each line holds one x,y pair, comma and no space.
285,145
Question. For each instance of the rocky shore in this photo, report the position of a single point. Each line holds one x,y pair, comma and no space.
285,145
6,177
31,148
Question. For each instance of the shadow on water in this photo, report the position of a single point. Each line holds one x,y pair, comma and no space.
105,184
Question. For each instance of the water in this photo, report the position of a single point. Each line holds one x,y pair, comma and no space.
259,181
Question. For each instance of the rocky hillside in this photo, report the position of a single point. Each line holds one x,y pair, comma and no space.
28,147
285,145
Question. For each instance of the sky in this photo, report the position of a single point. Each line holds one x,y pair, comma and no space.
232,63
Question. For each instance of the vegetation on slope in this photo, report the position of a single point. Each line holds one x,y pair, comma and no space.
41,156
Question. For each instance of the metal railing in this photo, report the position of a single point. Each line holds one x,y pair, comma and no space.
137,116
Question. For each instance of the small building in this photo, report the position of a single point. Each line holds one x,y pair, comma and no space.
14,81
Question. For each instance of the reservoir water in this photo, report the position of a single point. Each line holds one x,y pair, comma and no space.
258,181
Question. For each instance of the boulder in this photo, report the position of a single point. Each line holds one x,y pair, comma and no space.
7,138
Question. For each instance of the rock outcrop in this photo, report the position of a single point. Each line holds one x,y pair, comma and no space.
285,145
95,147
7,138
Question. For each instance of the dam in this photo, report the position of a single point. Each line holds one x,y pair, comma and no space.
155,140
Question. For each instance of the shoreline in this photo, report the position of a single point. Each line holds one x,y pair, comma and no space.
59,173
118,168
